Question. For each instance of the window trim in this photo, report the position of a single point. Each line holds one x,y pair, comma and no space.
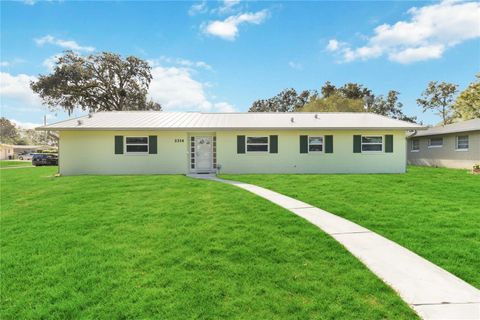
316,144
257,152
372,151
411,145
430,141
136,144
456,143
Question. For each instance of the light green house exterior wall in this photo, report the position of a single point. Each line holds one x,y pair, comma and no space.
92,152
290,160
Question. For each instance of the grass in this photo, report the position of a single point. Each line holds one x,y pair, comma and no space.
14,163
434,212
171,247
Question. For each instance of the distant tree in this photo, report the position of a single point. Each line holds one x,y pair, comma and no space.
354,91
98,82
328,89
33,137
351,97
21,141
467,105
439,97
390,107
334,103
286,101
8,131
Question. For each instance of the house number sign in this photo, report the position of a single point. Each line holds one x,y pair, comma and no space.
179,140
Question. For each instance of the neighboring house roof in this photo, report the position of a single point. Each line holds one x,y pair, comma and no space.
142,120
18,146
464,126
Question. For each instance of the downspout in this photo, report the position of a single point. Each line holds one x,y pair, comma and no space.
58,148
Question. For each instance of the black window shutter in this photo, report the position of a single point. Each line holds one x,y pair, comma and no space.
389,143
240,144
329,144
152,144
357,144
118,144
273,144
303,144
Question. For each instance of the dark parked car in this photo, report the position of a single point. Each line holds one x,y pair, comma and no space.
45,159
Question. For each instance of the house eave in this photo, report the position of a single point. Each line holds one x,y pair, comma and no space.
47,128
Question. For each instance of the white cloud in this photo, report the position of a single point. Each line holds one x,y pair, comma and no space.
228,28
176,90
223,107
295,65
197,8
67,44
29,2
11,63
362,53
18,88
49,63
416,54
431,30
181,62
228,6
333,45
25,125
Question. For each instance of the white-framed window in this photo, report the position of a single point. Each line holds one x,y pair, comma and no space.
461,143
415,145
315,144
136,145
257,144
372,143
435,142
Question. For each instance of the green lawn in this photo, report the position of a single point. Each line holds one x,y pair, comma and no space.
171,247
434,212
14,163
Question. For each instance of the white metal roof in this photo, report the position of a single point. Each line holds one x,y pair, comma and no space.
158,120
464,126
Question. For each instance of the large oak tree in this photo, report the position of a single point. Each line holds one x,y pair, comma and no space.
97,82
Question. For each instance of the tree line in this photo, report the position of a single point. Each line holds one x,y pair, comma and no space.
108,82
441,97
12,134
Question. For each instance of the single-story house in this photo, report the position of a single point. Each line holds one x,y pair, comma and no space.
454,145
6,151
153,142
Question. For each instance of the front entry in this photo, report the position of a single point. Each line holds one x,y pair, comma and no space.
203,154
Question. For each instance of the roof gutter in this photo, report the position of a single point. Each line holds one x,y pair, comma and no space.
220,129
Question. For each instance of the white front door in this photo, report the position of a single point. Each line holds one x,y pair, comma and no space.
203,153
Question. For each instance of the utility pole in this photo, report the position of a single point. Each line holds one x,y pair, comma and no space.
46,132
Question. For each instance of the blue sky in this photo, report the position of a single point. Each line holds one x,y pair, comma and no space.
221,56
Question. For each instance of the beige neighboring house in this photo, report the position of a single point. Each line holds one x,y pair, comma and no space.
454,146
6,151
152,142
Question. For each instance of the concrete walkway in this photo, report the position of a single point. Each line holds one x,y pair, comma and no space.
430,290
15,167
